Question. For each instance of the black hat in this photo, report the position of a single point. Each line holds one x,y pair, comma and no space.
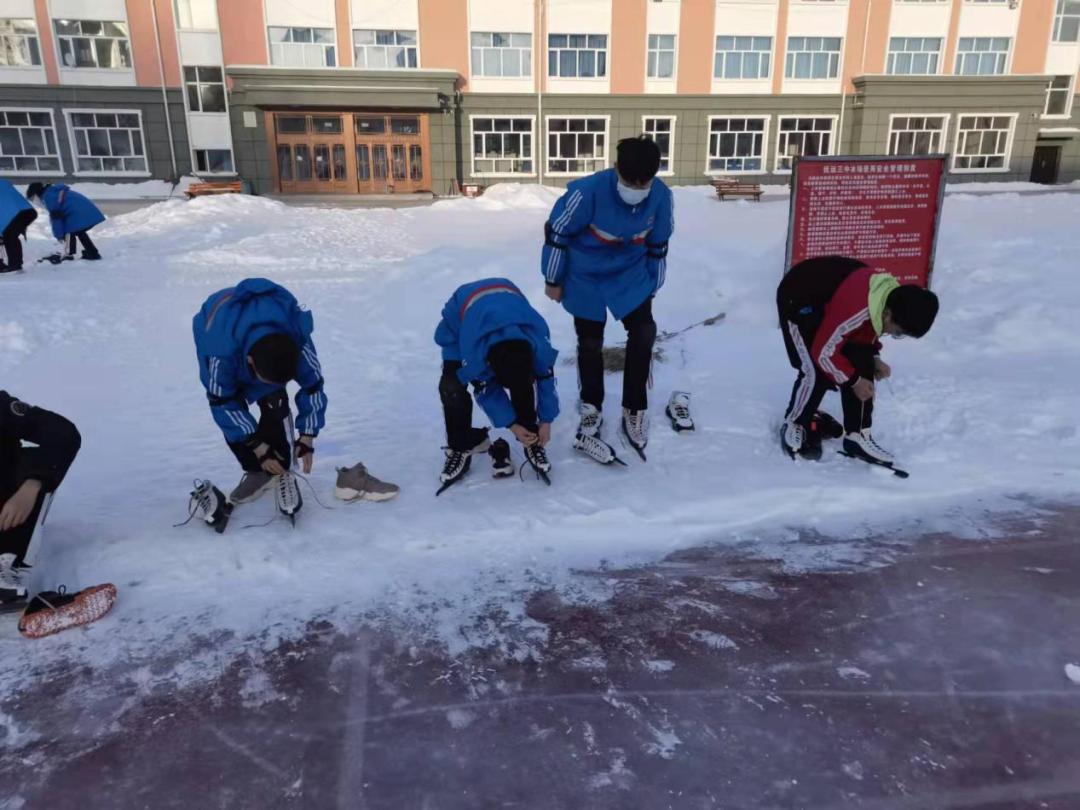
275,358
637,159
913,309
35,189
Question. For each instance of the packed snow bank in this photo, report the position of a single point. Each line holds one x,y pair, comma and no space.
981,411
144,190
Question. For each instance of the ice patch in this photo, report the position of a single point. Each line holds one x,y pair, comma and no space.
1072,672
659,665
848,673
460,718
714,641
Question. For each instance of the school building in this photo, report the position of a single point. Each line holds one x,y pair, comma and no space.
393,96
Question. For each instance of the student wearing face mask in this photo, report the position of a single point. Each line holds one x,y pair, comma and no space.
605,248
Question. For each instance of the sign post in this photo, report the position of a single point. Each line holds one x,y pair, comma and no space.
883,211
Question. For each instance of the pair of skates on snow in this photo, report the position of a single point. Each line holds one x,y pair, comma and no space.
806,442
635,428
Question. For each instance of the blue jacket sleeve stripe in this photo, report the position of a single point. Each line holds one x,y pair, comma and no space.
561,225
311,407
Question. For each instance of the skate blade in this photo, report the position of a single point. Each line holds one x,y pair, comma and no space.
886,466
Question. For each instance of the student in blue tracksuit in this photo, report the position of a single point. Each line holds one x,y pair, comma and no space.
251,340
491,337
71,216
605,248
16,215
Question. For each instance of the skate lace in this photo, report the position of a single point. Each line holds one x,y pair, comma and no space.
680,410
873,445
200,499
590,419
287,493
536,457
636,424
454,460
593,447
10,577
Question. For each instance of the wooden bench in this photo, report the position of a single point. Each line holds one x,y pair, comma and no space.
203,189
728,187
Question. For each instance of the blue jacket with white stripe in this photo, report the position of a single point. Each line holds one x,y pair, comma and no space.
481,314
69,211
227,326
604,253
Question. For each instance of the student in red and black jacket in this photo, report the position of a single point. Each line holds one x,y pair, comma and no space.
832,311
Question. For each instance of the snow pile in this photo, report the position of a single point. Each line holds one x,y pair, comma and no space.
1072,672
981,411
144,190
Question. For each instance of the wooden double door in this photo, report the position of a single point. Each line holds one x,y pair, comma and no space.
351,152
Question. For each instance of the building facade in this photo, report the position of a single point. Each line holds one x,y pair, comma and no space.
392,96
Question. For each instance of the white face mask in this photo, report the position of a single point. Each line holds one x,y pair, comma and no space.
633,196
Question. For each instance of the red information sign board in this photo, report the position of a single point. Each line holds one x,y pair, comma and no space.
883,211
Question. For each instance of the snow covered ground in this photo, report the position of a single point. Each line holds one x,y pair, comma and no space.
982,412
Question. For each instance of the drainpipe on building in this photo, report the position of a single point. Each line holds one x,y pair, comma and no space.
862,66
164,94
541,141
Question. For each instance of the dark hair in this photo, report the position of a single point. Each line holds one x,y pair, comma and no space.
36,190
913,309
637,159
275,358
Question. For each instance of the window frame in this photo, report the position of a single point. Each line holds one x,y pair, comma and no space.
500,77
771,54
1069,98
606,51
179,27
73,145
649,51
472,148
547,152
414,47
58,39
710,172
195,162
789,54
943,144
36,36
674,119
1006,66
938,56
199,83
1010,136
1059,19
56,137
313,28
833,137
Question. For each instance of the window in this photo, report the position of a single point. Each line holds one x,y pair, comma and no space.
917,134
981,56
737,144
742,57
1058,95
502,146
93,44
19,43
196,15
28,142
576,145
805,137
913,56
577,56
302,47
813,58
661,63
1067,21
501,55
213,161
107,141
384,49
205,89
982,142
661,130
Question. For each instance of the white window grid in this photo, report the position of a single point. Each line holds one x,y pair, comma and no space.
28,142
917,134
501,55
196,15
213,161
913,56
661,128
983,142
107,142
101,44
576,144
737,144
385,49
739,57
1059,97
297,46
19,44
503,145
1067,21
205,85
810,135
577,56
982,56
660,60
811,58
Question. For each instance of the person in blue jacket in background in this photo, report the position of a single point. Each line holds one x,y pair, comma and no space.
492,337
251,340
16,215
605,248
71,216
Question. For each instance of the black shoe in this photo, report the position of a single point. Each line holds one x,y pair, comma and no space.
500,458
811,447
6,268
91,255
826,426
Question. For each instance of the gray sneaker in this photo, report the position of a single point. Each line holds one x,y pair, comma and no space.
356,483
251,487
